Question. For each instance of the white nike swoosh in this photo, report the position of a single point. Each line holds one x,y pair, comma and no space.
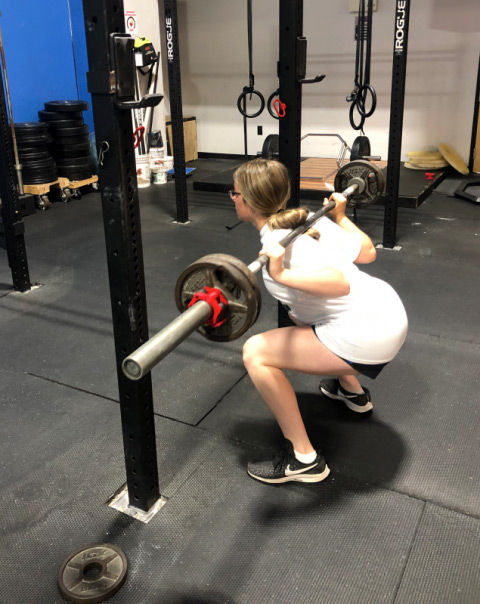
289,472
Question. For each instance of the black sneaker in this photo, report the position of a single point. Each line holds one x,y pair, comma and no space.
360,403
284,467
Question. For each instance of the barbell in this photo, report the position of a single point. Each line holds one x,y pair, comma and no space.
219,295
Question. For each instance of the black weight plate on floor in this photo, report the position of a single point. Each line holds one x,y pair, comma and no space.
32,127
33,159
80,145
67,141
78,131
61,124
75,174
40,180
73,154
36,135
92,574
33,141
33,154
76,170
66,106
74,162
38,170
29,160
32,150
42,153
40,176
53,116
37,164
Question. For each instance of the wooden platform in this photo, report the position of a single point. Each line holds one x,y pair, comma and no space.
62,187
317,176
44,188
76,184
316,172
61,183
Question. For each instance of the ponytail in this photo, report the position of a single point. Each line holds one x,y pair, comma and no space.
291,219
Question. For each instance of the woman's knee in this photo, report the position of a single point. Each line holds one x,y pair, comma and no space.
252,351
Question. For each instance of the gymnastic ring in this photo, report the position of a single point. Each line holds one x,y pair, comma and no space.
361,98
355,126
249,90
269,104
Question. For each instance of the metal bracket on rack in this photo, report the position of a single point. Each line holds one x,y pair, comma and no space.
302,63
120,80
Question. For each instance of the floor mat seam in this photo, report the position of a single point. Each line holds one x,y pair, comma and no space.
409,553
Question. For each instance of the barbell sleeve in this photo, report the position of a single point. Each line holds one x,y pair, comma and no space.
144,358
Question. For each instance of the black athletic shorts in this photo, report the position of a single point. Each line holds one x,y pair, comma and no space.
370,371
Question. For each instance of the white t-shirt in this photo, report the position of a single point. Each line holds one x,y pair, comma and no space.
368,325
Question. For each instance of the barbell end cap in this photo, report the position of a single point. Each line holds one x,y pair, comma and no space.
132,369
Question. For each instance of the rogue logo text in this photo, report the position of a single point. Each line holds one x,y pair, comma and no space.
168,23
400,26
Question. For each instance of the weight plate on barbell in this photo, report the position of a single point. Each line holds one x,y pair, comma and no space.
370,174
236,282
92,574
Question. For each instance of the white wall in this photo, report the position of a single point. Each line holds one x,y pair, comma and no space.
444,44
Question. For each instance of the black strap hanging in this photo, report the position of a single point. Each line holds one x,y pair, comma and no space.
363,88
250,89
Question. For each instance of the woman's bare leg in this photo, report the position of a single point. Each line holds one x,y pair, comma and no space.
350,383
298,348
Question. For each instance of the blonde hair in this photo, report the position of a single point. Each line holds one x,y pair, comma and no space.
265,188
291,219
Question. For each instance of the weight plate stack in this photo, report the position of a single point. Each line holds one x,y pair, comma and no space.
54,116
71,140
33,142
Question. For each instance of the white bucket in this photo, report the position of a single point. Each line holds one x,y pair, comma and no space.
142,165
157,166
159,175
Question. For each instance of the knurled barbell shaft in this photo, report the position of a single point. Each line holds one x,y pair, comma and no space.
142,360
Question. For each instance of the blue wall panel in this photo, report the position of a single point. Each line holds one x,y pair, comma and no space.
45,54
81,58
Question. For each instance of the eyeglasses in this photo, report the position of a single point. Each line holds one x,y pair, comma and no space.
233,194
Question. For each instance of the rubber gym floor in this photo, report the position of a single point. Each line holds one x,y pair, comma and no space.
398,520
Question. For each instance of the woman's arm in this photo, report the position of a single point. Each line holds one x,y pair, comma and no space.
368,253
328,282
